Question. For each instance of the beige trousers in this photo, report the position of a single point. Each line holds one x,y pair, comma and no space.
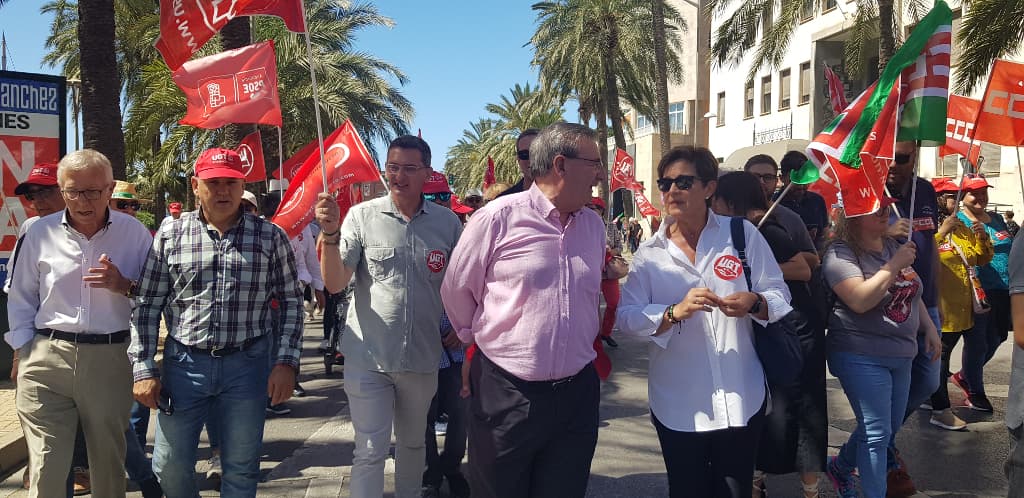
61,384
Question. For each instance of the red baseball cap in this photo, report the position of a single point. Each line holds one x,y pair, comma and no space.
437,183
599,202
174,207
974,182
944,185
42,174
458,207
219,163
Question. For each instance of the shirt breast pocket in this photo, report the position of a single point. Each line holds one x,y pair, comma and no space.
381,263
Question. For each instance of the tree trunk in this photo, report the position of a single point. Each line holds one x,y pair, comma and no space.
159,189
601,117
236,34
661,83
611,98
886,33
101,83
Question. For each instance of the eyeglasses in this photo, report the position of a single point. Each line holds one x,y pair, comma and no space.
42,193
91,194
901,158
523,155
593,162
394,169
133,205
682,182
766,178
440,196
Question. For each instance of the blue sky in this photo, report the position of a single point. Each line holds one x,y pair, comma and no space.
458,57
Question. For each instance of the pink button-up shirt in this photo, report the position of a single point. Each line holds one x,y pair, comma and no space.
526,289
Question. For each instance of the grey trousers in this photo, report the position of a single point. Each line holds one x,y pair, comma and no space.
1014,466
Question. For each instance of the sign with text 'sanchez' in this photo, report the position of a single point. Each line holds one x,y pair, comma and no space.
33,131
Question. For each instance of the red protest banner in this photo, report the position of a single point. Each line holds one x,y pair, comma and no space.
1002,115
294,163
623,171
489,178
642,203
237,86
960,128
290,11
348,162
251,152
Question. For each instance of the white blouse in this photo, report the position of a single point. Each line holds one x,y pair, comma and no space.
704,372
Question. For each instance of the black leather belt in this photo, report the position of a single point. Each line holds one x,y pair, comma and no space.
224,351
552,384
84,338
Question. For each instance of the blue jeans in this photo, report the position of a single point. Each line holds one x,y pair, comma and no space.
924,378
233,388
877,388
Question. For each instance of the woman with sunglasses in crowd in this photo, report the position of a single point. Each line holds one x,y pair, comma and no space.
795,435
995,324
686,291
872,341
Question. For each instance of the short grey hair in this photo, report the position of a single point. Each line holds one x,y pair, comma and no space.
557,139
81,160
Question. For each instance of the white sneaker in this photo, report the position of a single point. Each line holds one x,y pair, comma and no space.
215,469
947,420
440,428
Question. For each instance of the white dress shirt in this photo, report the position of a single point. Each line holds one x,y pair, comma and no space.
307,262
47,290
704,372
21,233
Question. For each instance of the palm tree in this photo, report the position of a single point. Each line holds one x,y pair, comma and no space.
990,29
101,100
661,83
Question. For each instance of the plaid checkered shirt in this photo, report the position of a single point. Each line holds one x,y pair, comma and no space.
217,291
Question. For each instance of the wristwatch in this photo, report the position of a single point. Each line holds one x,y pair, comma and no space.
756,308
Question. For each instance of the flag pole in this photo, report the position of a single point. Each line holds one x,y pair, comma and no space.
280,161
913,187
316,101
894,208
1020,175
774,204
970,144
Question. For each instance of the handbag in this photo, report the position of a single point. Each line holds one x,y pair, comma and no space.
777,344
979,300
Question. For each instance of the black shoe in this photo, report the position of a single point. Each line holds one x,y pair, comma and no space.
430,492
979,402
458,486
278,409
151,488
298,392
339,359
610,342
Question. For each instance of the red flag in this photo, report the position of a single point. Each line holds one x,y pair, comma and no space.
960,117
251,152
185,26
836,91
294,163
489,178
642,203
237,86
1002,116
623,171
348,162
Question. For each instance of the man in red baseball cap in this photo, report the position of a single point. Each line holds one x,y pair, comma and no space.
221,318
41,190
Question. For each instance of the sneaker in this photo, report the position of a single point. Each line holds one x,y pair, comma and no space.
324,347
440,428
278,409
215,469
298,392
927,406
979,402
844,482
898,484
947,420
82,484
959,381
609,341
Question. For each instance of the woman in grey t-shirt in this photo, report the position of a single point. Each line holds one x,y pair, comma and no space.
872,341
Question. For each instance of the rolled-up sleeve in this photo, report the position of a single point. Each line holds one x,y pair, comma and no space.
463,286
766,276
351,240
637,314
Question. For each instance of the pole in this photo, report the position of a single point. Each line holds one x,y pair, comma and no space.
913,186
316,102
280,161
894,208
774,205
1020,175
977,115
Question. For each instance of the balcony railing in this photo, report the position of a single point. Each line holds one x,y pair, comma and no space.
770,135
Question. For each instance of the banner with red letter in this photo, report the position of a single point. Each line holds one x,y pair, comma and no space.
33,131
348,162
1001,120
623,171
237,86
251,152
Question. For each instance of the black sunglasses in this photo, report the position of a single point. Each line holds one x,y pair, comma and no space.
901,158
440,196
133,205
40,193
523,155
682,182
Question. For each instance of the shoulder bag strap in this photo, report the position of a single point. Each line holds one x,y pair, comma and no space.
739,242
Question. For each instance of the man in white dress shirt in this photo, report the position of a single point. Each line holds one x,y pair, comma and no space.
69,308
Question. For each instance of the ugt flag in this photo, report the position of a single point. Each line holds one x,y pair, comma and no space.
623,172
642,203
348,162
186,25
251,152
1002,116
237,86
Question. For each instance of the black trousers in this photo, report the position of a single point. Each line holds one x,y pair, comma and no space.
447,400
713,464
531,439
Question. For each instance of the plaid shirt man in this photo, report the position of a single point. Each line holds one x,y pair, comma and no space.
215,291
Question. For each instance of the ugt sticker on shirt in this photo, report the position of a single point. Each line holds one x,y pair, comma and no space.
436,261
728,267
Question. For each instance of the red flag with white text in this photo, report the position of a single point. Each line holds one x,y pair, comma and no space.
251,152
836,91
348,162
237,86
1002,116
489,178
644,205
290,11
294,163
960,117
623,171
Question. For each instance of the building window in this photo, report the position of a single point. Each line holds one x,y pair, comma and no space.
807,10
805,83
828,5
642,121
766,95
676,117
748,100
721,109
785,88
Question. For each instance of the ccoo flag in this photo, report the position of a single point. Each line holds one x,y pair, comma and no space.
237,86
1001,120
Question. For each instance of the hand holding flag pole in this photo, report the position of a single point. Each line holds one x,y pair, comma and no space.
806,175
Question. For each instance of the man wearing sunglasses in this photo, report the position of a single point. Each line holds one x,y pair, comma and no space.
125,199
766,170
523,160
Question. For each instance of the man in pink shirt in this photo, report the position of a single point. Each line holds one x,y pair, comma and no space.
524,284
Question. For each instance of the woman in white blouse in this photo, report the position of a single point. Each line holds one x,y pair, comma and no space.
686,291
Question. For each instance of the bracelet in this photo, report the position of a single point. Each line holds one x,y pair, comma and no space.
133,286
670,316
331,234
335,242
